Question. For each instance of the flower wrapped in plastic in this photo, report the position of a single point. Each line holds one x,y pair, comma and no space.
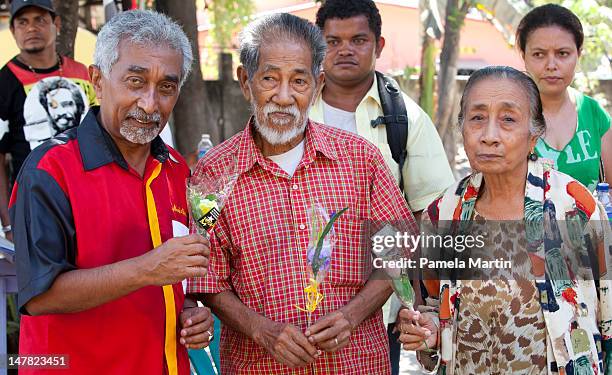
319,253
206,197
396,258
399,276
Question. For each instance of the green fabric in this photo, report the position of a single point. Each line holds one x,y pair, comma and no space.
201,363
580,157
607,349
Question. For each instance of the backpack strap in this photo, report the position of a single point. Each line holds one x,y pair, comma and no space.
395,119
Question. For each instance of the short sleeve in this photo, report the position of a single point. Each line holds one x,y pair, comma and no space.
7,103
426,171
604,123
4,122
218,278
5,138
43,232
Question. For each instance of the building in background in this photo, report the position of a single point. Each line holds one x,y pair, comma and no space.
482,43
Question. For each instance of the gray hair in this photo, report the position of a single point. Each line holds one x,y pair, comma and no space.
280,26
144,28
537,124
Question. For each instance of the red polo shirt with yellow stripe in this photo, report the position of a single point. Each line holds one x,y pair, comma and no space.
78,204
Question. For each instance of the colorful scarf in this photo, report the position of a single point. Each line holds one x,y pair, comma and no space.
577,310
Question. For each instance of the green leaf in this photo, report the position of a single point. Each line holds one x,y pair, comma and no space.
316,262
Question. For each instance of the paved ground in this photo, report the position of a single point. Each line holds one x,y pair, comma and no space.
408,364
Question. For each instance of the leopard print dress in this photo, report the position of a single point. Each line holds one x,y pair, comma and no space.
500,326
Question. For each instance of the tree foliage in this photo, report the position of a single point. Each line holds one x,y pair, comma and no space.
430,31
189,111
596,18
229,16
456,10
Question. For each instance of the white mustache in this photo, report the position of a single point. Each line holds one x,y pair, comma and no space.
143,116
290,110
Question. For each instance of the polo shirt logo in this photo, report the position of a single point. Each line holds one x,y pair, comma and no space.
209,219
178,210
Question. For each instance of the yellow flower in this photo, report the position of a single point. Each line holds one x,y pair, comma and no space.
207,205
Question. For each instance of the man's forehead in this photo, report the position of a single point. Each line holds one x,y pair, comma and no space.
143,58
61,91
270,67
285,55
355,24
147,49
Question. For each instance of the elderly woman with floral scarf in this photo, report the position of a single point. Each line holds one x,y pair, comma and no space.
554,318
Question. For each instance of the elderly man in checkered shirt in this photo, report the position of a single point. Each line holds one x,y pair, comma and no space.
257,272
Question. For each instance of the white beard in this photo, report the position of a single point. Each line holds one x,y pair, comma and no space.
277,137
291,127
139,135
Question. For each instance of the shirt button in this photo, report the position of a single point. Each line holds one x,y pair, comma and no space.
294,187
302,226
307,166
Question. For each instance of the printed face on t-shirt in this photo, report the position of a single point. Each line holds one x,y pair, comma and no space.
62,109
52,105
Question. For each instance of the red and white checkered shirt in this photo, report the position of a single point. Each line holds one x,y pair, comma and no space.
260,242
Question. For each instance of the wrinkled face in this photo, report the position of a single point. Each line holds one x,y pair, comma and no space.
550,58
138,96
496,132
281,90
352,50
34,29
62,108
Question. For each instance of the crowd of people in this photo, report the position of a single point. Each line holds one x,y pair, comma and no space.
110,277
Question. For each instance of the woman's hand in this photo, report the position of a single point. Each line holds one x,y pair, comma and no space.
417,337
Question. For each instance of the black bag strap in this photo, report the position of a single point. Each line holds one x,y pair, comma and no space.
395,119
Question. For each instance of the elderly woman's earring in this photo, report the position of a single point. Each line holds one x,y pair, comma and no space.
533,156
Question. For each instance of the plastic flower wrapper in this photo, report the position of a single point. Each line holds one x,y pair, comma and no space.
319,253
206,196
400,278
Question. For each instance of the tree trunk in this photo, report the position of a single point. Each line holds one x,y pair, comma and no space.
68,11
447,87
191,117
430,31
426,76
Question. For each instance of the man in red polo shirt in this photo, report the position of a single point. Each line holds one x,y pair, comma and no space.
99,217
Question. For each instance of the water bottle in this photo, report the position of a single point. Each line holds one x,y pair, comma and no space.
603,196
204,145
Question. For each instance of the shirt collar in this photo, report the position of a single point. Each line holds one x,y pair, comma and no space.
248,154
372,93
52,69
98,148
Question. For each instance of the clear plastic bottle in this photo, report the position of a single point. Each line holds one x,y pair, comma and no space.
603,196
204,145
